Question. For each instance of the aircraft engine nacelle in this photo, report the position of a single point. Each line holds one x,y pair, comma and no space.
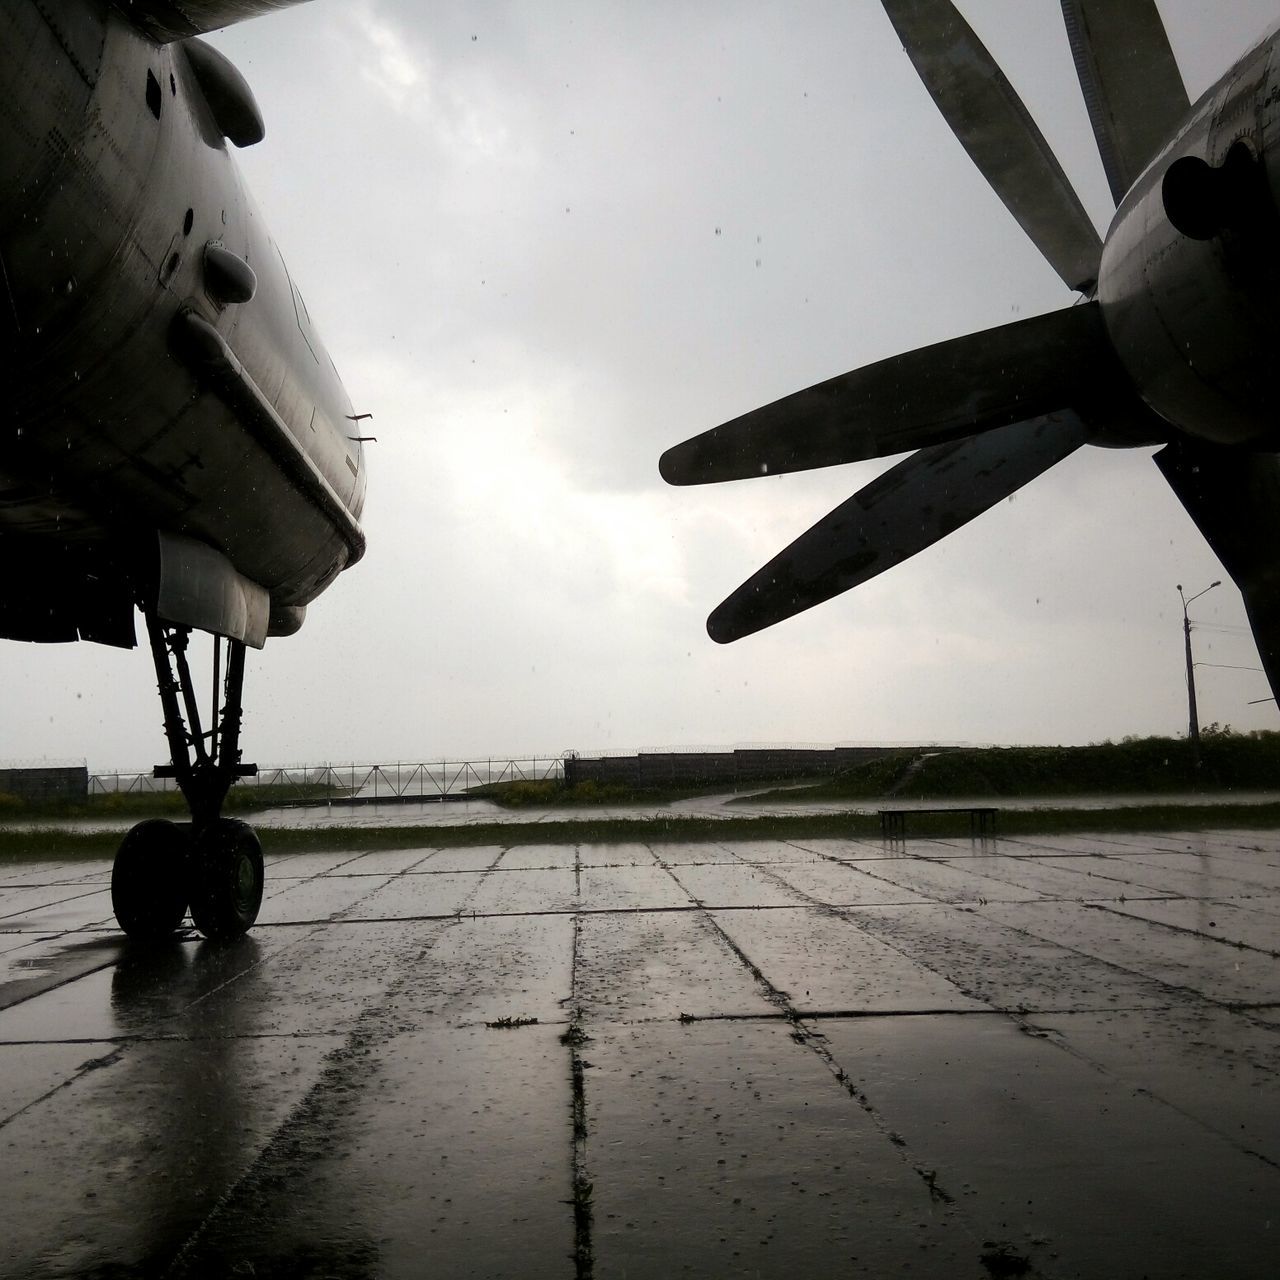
1190,275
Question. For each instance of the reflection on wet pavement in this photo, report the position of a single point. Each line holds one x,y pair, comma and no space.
1043,1056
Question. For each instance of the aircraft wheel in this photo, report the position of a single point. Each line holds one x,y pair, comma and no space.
227,881
149,880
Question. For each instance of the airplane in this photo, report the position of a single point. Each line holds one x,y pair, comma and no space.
1170,342
175,438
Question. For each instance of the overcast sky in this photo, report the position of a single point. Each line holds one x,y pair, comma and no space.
545,241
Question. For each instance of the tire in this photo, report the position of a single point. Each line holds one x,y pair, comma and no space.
227,879
149,880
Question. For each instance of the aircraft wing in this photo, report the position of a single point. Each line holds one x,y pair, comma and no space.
167,20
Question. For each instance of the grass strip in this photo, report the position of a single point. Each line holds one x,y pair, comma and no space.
50,843
1227,762
164,804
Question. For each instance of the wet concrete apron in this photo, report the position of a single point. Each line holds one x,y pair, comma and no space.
1052,1057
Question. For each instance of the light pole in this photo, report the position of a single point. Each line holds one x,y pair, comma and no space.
1193,719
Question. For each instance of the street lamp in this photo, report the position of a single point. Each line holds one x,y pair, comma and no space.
1193,719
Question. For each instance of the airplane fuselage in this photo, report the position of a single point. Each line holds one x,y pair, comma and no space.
166,380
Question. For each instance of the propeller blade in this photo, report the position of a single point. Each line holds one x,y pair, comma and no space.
939,393
1234,498
1130,80
987,116
910,507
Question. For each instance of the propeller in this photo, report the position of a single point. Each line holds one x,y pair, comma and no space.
924,498
1130,80
990,411
941,393
988,118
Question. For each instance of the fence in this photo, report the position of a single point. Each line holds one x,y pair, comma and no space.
362,783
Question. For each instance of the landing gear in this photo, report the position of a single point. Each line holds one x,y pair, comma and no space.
227,879
215,864
149,880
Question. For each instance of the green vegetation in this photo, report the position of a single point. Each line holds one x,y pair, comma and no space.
1229,762
554,792
1157,766
50,843
524,793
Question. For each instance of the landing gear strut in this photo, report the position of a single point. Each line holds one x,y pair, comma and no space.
215,863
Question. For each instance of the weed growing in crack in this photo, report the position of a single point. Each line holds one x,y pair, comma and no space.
1001,1260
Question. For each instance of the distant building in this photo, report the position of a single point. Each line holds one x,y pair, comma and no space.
46,782
744,765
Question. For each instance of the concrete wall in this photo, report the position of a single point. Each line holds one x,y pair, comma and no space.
53,783
752,764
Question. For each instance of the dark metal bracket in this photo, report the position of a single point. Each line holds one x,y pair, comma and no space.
205,763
